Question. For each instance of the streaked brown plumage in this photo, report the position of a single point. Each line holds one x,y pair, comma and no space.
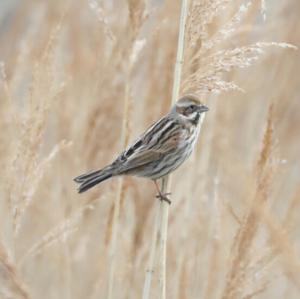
160,150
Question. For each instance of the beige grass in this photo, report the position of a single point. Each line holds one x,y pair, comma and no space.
80,81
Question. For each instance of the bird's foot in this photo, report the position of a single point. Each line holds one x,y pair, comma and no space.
164,197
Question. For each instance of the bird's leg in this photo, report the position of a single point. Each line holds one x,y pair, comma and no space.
160,195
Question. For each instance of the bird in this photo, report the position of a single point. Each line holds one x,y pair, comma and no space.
161,149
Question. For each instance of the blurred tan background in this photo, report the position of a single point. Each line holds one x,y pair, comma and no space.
79,79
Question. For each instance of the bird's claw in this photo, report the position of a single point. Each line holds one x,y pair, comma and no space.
164,197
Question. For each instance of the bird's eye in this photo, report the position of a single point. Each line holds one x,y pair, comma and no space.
191,108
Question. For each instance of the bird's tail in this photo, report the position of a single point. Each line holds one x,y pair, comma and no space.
89,180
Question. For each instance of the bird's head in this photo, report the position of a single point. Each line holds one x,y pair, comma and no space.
190,108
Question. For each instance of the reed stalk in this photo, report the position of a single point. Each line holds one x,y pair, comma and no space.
163,213
166,182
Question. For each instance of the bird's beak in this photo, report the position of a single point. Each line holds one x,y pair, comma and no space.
203,108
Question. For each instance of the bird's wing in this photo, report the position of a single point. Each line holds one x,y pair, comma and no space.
142,157
145,155
160,139
139,159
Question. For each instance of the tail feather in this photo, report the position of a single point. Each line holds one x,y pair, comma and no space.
89,180
86,176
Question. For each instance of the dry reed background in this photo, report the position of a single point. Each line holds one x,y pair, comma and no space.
79,79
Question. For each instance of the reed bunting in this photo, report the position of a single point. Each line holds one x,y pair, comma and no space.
157,152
